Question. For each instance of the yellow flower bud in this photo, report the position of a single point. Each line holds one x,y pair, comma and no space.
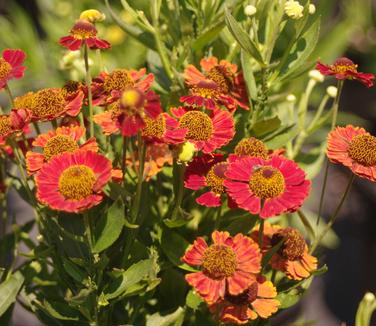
316,75
311,9
332,91
250,10
291,98
93,16
186,151
294,9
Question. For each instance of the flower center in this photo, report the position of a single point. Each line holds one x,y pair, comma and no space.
5,125
343,65
362,149
5,68
219,261
119,79
24,101
70,88
199,125
267,182
251,147
48,102
215,178
154,127
77,182
83,29
57,145
294,244
222,77
207,89
248,296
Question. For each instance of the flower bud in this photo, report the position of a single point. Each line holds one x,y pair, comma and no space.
291,98
316,76
185,152
369,297
294,9
311,9
93,16
332,91
250,10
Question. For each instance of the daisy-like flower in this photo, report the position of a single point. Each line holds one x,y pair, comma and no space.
73,182
355,148
208,172
56,142
83,32
13,122
258,300
267,187
127,113
206,132
344,68
228,265
11,66
220,83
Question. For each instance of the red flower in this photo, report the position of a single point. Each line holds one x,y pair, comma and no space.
229,264
355,148
11,65
344,68
15,121
267,187
73,182
83,32
206,132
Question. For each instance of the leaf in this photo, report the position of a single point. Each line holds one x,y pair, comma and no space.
60,310
9,290
182,218
248,74
208,36
192,300
266,126
109,227
288,299
320,271
312,161
266,258
174,319
173,246
242,224
280,137
73,270
243,38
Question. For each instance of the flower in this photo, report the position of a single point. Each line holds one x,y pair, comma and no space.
129,112
56,142
206,132
92,16
258,300
11,65
184,152
251,147
229,264
83,32
355,148
294,9
292,258
73,182
344,68
13,122
266,187
219,84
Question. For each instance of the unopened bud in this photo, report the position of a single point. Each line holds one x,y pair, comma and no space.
332,91
93,16
369,297
186,151
316,76
311,9
294,9
250,10
291,98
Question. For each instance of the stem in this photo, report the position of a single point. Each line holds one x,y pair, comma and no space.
88,231
180,191
124,157
334,216
36,127
9,93
218,218
261,232
88,84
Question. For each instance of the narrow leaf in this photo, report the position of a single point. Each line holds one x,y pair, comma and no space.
9,290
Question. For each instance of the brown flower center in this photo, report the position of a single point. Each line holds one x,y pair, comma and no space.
248,296
154,127
199,125
83,29
222,76
215,178
119,79
77,182
48,102
362,149
267,182
251,147
5,68
5,125
219,261
293,246
24,101
57,145
70,88
207,89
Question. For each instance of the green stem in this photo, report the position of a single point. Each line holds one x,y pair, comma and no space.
261,232
88,231
124,157
37,129
179,193
218,218
88,84
9,93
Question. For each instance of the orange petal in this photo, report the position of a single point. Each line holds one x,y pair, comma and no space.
266,290
265,307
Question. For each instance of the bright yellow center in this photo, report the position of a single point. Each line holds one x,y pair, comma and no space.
222,77
293,246
362,149
131,98
219,261
77,182
199,125
343,68
5,68
267,182
154,127
57,145
119,79
48,102
215,178
24,101
83,29
251,147
5,125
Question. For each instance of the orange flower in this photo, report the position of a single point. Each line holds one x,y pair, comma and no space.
256,301
355,148
56,142
229,264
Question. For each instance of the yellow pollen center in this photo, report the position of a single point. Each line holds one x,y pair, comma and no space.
215,178
199,125
267,182
131,98
5,125
5,68
293,246
119,79
222,77
219,261
362,149
24,101
154,127
57,145
343,68
70,88
48,102
77,182
251,147
83,29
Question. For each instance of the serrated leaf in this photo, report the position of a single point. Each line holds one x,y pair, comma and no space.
9,290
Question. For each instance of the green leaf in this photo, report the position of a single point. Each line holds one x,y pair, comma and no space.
73,270
320,271
109,227
266,258
266,126
248,74
173,246
9,290
281,136
174,319
288,299
182,218
365,310
243,38
60,310
208,36
242,224
192,300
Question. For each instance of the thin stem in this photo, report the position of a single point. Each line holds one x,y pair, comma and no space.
218,218
9,93
261,232
124,157
335,215
36,127
88,231
179,193
88,84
